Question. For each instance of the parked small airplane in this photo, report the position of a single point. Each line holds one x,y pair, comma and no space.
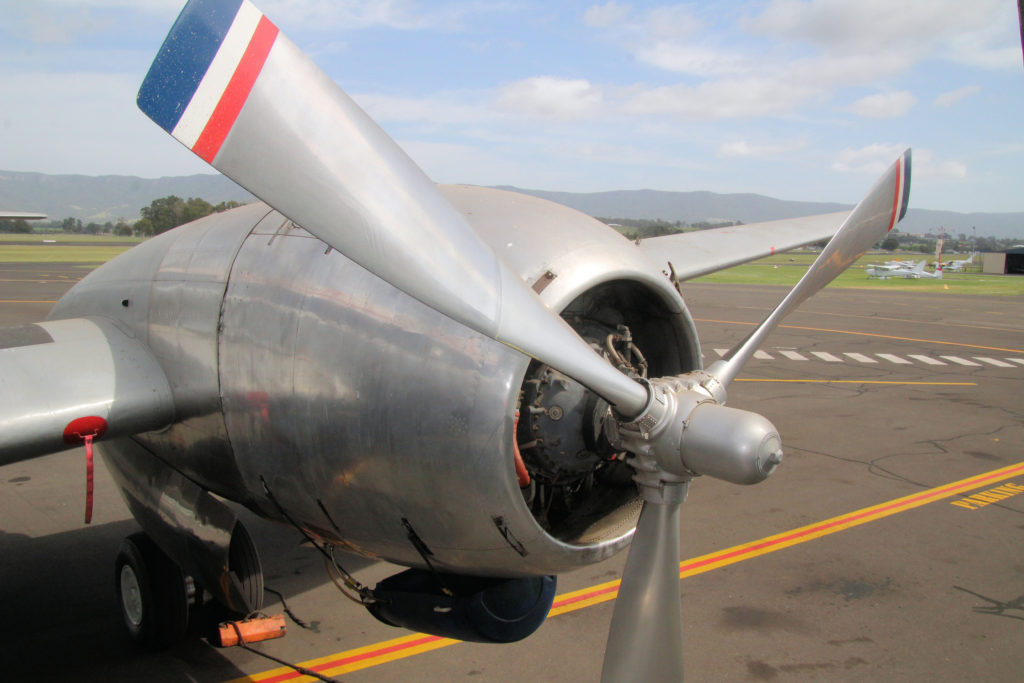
911,272
960,265
485,387
920,272
899,264
891,269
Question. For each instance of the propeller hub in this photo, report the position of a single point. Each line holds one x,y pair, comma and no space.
685,431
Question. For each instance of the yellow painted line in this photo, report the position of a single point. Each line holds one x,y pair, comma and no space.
830,526
407,646
27,301
994,495
861,381
354,660
866,334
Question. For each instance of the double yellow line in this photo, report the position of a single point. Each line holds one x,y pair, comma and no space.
407,646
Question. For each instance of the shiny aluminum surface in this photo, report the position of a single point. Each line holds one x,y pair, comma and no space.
378,410
303,146
189,524
94,370
358,407
167,292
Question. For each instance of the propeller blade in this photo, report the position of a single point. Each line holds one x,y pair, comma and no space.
229,86
645,641
881,209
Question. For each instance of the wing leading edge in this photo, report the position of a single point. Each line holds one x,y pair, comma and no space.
693,254
64,379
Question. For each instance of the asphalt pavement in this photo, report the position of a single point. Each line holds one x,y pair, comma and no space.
888,546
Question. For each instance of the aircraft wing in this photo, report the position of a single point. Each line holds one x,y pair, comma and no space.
63,380
27,215
693,254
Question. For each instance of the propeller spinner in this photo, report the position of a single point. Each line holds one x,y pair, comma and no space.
229,86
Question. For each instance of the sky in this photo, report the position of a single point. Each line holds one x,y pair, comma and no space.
795,99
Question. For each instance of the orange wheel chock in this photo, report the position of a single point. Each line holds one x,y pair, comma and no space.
251,630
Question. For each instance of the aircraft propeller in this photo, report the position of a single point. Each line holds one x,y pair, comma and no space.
243,97
735,445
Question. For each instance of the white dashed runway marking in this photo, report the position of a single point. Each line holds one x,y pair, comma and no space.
927,360
994,361
961,361
892,358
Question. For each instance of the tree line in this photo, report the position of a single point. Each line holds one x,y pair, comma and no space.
959,243
169,212
160,216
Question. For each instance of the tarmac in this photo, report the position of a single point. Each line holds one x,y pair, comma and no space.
888,545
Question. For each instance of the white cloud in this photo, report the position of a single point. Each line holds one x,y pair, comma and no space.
927,166
549,97
840,25
809,49
985,49
692,59
948,99
744,149
62,22
884,105
981,33
51,27
873,159
102,132
826,72
876,158
724,99
440,109
457,163
675,22
158,6
608,14
349,15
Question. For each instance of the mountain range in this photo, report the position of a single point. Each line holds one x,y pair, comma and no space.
110,198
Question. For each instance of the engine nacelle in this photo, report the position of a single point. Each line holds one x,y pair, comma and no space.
307,388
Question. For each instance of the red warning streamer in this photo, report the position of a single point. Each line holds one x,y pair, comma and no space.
85,430
88,478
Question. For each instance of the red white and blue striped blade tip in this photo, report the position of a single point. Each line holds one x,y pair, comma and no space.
205,70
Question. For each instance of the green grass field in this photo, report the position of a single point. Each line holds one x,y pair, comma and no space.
66,238
781,269
53,253
787,269
65,248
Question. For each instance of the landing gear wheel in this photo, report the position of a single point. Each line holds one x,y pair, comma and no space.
151,592
244,562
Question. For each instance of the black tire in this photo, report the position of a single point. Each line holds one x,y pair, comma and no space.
151,593
244,563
